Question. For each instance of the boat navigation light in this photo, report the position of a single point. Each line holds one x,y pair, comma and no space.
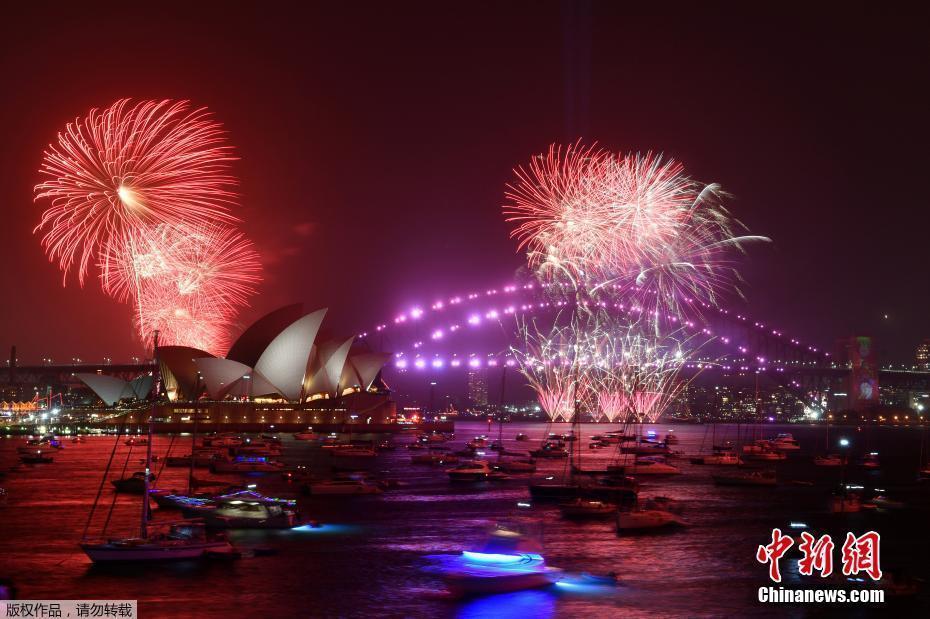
798,525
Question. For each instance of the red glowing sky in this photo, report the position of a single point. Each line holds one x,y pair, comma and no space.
376,143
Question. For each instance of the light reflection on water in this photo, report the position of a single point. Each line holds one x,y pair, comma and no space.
368,559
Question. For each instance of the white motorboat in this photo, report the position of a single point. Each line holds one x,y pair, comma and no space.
183,540
828,460
472,471
246,464
639,520
508,561
239,511
341,487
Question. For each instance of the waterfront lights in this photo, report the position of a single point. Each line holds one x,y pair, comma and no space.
844,442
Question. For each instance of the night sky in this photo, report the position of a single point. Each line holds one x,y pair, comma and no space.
376,140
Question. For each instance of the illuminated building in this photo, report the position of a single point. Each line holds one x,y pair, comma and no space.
477,387
923,355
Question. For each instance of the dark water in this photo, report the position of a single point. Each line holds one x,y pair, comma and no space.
368,559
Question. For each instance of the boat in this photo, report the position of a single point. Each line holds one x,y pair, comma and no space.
785,442
78,439
135,484
648,466
745,478
354,452
646,519
36,457
765,455
828,460
870,460
477,470
508,561
550,450
521,437
670,438
246,464
341,487
34,446
644,448
136,441
524,465
581,509
245,509
256,448
434,458
222,440
201,459
182,540
722,458
758,447
309,435
846,503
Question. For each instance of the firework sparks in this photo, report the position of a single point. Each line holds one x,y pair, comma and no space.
634,223
156,162
145,192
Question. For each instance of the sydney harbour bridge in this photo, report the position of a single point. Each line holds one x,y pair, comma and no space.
469,331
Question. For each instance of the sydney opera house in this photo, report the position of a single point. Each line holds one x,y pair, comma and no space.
282,371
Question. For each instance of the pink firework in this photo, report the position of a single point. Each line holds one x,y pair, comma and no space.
129,166
635,223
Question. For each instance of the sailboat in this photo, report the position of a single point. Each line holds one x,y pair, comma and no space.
168,541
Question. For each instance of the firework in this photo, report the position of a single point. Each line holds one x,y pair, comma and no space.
144,191
633,223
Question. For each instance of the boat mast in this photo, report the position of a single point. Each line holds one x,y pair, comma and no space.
500,414
143,526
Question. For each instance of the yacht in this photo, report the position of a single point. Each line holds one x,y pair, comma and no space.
646,519
745,478
353,451
516,465
765,455
180,540
135,484
870,461
550,449
583,509
649,466
473,471
341,487
507,561
222,440
723,458
434,458
246,464
828,460
785,442
245,510
36,457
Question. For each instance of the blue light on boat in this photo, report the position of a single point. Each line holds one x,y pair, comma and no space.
485,557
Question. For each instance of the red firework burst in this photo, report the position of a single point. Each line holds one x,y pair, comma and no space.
130,166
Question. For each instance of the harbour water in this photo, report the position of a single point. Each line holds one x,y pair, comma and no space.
368,559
